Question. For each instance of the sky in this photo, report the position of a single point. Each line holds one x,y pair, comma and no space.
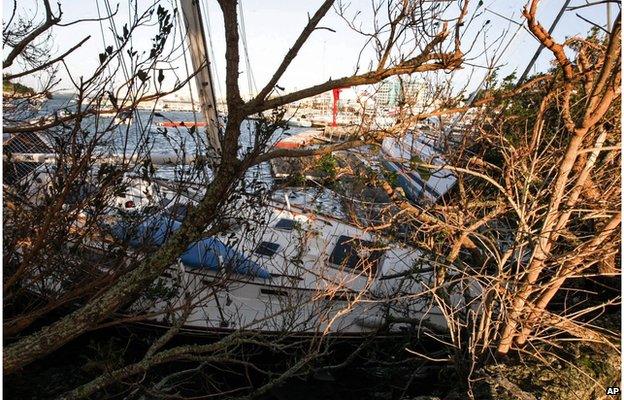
273,25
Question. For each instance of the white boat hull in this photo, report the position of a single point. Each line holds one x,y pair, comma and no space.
306,294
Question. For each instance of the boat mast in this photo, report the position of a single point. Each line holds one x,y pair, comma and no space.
191,14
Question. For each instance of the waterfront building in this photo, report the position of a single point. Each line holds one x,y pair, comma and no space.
396,90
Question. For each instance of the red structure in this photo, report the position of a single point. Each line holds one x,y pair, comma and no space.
336,93
188,124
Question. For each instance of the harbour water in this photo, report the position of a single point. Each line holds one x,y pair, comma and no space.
143,132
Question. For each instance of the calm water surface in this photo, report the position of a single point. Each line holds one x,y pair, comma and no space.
143,130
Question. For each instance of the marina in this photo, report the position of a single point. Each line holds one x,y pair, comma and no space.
330,272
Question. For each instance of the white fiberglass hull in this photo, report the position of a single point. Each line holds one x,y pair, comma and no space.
307,293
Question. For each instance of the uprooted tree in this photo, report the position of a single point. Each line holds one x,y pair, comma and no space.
535,218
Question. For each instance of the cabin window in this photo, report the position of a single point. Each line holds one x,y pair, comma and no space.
267,249
341,295
285,224
355,254
98,258
274,292
178,211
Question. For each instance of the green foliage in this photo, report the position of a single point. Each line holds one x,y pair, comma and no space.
297,179
492,80
160,291
328,164
574,371
415,163
393,178
102,356
9,87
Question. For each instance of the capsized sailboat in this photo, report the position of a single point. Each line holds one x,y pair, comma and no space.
284,268
277,268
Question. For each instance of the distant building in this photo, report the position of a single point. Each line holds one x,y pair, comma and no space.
322,100
387,93
394,91
181,105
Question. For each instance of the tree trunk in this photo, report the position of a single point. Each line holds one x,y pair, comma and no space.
52,337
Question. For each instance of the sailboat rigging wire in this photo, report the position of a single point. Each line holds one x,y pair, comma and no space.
541,46
97,5
120,56
527,70
251,83
130,21
121,61
206,17
186,68
491,69
200,63
197,139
